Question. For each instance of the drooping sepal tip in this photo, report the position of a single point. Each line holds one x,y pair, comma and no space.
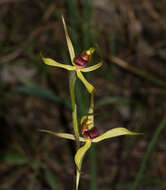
80,154
89,87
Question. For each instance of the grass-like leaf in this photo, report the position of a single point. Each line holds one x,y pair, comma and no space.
147,155
14,159
42,93
51,180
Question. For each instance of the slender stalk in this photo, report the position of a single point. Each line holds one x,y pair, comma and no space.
72,79
93,180
91,110
91,107
77,178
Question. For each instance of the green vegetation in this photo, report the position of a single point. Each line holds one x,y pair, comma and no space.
129,39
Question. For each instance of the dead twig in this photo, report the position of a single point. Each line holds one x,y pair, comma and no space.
137,71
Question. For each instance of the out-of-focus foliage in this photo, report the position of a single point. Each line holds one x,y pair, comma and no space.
131,94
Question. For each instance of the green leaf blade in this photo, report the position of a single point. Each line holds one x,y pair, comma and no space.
51,180
34,90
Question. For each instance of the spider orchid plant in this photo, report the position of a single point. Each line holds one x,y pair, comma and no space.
78,63
89,132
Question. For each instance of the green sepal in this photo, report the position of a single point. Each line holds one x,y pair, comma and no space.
51,62
69,42
114,133
62,135
88,86
92,68
80,154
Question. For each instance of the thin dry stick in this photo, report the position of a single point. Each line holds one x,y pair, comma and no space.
138,72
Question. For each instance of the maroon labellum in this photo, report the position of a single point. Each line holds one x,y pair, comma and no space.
80,62
91,134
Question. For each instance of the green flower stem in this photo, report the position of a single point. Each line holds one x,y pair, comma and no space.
72,79
91,107
91,110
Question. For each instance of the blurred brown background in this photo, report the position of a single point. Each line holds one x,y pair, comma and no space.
130,38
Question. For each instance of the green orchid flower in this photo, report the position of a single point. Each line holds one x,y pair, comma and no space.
78,63
88,140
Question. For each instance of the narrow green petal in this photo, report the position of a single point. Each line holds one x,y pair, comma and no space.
69,43
88,86
77,179
92,68
114,133
80,154
51,62
62,135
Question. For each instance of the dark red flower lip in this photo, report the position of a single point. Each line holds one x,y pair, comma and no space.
80,62
91,134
